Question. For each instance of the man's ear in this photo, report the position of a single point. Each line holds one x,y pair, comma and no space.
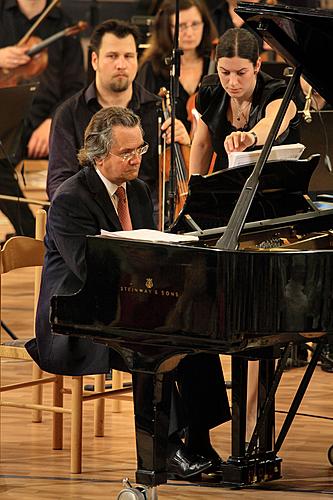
94,60
99,162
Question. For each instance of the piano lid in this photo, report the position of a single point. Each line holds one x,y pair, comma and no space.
303,36
282,186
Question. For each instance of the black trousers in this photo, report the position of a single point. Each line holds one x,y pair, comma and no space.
202,389
19,214
202,400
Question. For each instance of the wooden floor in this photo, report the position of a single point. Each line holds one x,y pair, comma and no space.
31,469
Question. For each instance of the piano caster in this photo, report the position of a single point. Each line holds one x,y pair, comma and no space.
136,493
330,455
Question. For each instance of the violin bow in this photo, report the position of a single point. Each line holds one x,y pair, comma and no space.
70,31
37,23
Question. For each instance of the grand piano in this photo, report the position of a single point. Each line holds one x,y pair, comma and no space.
261,270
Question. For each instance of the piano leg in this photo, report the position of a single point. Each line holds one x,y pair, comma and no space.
239,404
259,462
152,403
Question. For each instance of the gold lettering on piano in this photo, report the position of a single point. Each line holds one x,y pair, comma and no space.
149,290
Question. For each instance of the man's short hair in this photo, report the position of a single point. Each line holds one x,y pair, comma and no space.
98,136
120,29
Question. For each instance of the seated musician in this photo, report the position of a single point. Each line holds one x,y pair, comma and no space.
238,104
196,34
113,47
62,77
93,199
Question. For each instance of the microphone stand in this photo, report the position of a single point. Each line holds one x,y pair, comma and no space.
174,94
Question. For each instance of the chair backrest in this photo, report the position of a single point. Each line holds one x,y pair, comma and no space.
22,251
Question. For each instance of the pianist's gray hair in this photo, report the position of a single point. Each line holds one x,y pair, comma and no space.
238,42
98,137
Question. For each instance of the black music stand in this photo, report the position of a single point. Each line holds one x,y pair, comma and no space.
15,104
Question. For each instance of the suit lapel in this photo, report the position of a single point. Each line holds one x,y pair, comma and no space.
102,198
134,204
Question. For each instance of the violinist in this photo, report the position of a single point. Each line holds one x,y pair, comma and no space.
63,76
196,34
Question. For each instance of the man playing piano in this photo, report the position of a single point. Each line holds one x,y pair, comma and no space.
106,194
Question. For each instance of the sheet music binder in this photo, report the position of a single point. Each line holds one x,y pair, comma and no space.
15,103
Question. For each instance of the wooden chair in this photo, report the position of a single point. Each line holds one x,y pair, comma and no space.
19,252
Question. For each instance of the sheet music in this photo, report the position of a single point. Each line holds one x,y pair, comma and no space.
150,235
278,153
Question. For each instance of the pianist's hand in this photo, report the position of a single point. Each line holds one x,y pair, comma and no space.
238,141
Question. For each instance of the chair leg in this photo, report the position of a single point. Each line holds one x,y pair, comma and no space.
37,394
99,406
76,427
58,400
117,383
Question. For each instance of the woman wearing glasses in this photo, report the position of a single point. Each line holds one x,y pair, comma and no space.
196,33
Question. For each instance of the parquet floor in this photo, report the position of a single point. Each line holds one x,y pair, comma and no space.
30,469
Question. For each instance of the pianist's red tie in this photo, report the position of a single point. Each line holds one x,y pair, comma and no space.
123,211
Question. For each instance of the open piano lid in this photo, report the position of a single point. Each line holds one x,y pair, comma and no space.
212,198
303,36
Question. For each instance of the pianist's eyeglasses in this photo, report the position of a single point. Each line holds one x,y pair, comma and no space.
141,150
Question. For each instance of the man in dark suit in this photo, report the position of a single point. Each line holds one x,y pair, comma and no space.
83,205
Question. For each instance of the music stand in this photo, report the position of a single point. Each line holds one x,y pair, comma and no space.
15,104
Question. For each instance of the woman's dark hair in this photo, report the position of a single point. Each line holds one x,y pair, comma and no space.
120,29
161,43
238,42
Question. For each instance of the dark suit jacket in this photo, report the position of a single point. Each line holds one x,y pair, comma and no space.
81,207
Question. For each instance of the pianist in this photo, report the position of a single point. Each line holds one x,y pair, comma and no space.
238,104
106,194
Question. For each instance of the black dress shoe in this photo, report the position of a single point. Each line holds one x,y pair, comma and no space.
216,467
327,359
183,464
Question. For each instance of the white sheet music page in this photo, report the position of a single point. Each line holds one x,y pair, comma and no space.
278,153
150,235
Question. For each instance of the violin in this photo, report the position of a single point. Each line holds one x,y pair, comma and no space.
182,158
36,49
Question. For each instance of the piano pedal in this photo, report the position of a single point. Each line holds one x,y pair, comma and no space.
196,478
136,493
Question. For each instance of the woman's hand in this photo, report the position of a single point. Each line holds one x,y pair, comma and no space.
239,141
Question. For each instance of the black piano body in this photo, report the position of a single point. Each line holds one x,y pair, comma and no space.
155,303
